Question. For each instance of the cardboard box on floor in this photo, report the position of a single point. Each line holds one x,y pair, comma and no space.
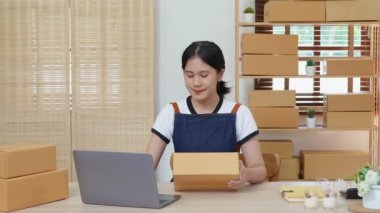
269,44
204,171
338,164
350,67
272,98
266,117
289,169
284,148
349,120
19,159
270,65
31,190
358,10
349,102
295,11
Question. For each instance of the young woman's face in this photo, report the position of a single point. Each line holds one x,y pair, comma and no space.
201,79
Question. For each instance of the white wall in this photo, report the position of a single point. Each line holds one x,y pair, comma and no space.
178,23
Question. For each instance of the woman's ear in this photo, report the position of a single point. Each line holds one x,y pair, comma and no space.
220,75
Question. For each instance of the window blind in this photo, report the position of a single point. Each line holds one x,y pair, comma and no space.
112,59
34,74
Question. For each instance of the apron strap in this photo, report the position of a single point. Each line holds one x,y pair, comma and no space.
175,107
236,108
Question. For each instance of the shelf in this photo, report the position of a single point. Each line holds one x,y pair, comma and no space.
305,76
253,24
318,128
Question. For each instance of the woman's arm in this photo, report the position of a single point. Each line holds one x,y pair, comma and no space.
253,170
155,148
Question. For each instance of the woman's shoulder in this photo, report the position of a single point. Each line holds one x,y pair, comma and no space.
228,105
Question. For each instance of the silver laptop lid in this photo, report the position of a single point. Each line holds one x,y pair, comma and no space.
116,178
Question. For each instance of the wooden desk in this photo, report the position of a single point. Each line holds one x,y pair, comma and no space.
264,197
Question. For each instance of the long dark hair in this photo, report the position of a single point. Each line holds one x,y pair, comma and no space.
212,55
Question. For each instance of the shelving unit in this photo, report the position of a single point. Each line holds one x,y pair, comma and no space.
373,50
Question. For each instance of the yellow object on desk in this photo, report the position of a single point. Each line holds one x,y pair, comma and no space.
297,193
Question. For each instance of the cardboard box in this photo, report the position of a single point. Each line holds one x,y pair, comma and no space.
350,67
269,44
266,117
294,11
359,10
272,98
289,169
349,120
270,65
31,190
284,148
349,102
204,171
332,164
24,159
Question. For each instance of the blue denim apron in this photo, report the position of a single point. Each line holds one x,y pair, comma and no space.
205,132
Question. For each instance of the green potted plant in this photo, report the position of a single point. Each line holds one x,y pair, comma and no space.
310,118
310,67
248,14
368,182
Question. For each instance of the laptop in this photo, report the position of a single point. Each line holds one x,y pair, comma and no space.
118,179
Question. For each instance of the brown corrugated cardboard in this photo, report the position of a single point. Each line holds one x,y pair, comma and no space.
332,164
359,10
270,65
295,11
349,102
31,190
23,159
286,117
204,171
349,120
289,169
269,44
284,148
350,67
272,98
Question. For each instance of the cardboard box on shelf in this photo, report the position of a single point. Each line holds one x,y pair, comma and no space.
332,164
204,171
267,117
284,148
289,169
358,10
272,98
349,102
31,190
294,11
349,120
25,158
350,67
270,65
269,44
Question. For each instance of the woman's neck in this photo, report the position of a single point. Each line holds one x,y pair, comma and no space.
205,106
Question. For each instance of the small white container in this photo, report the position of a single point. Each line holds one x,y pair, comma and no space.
248,17
329,202
310,122
310,70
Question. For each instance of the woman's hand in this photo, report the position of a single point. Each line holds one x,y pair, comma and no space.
237,184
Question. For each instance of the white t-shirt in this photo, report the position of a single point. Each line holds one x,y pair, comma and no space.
246,127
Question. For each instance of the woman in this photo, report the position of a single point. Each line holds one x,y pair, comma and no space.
205,121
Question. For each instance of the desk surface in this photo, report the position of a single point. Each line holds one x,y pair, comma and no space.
264,197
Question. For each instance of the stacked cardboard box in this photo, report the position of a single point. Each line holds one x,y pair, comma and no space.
29,177
267,54
321,11
349,111
274,109
356,67
290,166
331,164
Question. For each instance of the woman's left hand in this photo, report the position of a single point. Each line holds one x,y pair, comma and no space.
237,184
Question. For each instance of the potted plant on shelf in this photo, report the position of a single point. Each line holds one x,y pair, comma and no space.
368,181
310,119
248,14
310,67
